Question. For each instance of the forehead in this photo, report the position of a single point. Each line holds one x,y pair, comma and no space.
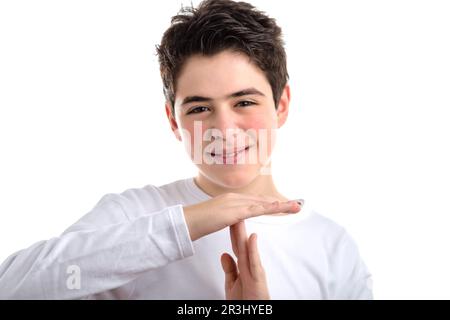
219,74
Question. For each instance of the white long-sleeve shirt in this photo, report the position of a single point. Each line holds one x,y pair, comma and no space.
136,245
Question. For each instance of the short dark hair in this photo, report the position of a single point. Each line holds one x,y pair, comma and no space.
217,25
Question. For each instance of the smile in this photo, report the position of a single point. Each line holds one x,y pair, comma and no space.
229,155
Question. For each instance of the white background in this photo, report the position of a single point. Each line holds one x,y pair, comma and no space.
81,115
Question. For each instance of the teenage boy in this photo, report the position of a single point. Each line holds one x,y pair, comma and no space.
223,67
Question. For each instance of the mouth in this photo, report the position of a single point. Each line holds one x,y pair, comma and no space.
231,154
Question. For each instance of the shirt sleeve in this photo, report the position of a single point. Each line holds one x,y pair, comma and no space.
89,258
351,279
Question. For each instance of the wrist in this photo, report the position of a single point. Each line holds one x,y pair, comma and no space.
189,217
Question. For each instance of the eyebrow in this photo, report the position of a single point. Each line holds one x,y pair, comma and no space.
245,92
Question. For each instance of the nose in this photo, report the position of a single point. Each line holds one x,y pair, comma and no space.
224,121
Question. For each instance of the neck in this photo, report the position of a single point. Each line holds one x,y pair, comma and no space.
262,185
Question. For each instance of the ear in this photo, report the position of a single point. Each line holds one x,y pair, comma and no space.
172,121
283,106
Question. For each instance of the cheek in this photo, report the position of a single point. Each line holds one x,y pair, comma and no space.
257,123
189,129
266,139
264,128
194,138
186,131
264,120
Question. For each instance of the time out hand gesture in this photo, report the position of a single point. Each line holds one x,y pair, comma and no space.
228,209
245,280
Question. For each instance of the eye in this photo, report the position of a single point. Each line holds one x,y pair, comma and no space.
196,110
245,103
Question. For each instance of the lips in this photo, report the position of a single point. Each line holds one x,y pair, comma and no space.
231,154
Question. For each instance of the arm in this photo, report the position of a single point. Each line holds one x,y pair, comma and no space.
108,249
106,257
351,277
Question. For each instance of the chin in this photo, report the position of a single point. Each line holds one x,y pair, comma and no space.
234,179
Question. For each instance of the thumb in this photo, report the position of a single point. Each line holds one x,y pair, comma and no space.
230,269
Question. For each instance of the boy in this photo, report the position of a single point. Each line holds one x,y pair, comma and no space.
224,75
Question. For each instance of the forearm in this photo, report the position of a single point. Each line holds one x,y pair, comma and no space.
106,257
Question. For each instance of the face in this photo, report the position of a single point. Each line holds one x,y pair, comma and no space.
226,118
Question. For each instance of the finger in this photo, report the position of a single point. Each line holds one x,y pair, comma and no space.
272,208
257,197
256,268
238,235
233,237
230,269
249,199
238,203
241,241
264,198
241,234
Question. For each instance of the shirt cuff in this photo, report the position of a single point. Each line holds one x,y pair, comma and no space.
180,227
